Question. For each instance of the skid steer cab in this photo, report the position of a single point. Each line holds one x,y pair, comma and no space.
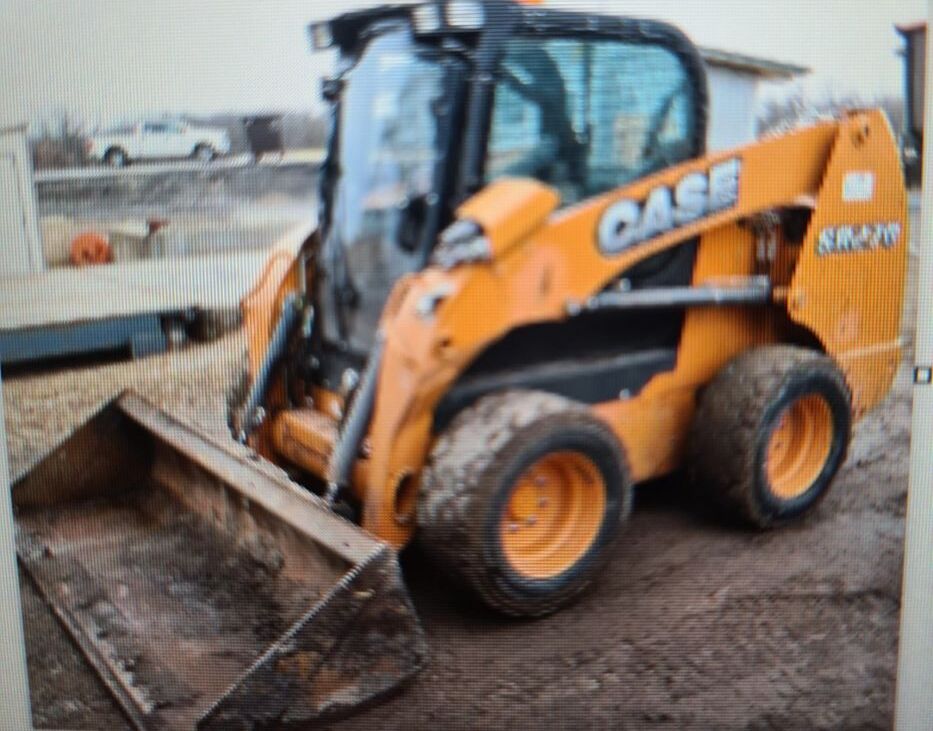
530,289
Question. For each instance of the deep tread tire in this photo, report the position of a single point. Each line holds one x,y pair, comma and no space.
736,415
468,480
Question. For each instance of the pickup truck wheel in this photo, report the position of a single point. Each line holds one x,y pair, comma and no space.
204,153
116,157
522,499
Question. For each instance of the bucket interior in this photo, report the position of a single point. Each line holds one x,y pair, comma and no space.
170,578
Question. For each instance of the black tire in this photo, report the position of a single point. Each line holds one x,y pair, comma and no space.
204,152
116,157
737,415
468,481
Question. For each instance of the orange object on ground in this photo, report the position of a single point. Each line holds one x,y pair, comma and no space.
90,247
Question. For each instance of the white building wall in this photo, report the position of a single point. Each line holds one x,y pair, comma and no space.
20,245
733,99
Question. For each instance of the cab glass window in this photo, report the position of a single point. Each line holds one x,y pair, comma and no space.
587,116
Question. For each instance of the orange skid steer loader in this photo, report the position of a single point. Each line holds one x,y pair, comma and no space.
529,290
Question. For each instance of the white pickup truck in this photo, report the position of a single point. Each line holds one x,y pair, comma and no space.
157,140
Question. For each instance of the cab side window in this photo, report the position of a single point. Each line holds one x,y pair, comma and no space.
587,116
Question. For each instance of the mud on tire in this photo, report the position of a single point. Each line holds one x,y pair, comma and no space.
740,425
468,484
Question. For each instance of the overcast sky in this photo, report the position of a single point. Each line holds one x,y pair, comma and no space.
109,59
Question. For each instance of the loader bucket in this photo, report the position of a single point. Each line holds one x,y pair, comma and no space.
205,588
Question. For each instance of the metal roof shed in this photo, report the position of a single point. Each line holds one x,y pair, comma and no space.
734,80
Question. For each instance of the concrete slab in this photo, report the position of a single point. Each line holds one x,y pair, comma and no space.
156,286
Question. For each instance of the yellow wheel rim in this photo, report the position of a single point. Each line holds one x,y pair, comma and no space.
799,447
553,514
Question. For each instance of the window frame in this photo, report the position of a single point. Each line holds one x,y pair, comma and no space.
697,93
509,22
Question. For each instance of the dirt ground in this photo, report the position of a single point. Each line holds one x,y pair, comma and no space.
695,625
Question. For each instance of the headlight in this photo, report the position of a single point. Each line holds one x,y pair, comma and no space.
465,14
427,19
321,36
